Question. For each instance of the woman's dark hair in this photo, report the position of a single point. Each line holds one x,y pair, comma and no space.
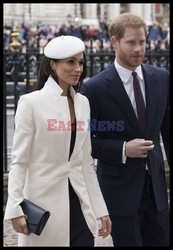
45,71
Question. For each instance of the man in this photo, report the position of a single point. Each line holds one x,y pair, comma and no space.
125,134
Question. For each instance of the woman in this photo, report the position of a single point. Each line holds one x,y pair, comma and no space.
51,163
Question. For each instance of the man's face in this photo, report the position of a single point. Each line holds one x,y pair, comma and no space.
130,50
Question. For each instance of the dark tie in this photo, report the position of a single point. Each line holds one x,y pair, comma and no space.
140,105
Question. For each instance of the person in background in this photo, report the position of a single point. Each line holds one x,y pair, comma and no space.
165,36
129,111
51,164
154,35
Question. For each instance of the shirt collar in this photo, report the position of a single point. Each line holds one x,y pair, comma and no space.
125,74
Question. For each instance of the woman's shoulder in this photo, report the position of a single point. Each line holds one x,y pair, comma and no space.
82,98
31,95
83,102
31,99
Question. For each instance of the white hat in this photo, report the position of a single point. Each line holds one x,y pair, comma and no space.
63,47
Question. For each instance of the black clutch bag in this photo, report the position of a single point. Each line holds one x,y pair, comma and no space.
36,217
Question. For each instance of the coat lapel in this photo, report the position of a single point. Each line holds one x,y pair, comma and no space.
150,81
121,97
80,117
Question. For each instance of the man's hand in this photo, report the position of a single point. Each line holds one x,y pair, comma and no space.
138,148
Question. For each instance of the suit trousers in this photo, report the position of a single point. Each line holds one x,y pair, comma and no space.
148,227
80,235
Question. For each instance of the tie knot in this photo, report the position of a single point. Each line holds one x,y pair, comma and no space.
134,74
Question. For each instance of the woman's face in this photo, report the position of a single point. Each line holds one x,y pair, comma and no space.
69,70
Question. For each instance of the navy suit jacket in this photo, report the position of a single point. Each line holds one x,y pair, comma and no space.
113,121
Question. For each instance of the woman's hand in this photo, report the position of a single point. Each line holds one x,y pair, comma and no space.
19,225
106,226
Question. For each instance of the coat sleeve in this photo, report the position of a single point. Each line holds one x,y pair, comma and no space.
89,173
20,158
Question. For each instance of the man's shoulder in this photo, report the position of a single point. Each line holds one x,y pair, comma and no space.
154,69
98,78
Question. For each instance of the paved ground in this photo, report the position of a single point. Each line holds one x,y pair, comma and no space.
10,237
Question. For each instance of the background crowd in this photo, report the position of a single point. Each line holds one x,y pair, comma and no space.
36,36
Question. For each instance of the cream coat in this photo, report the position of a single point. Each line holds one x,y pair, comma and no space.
40,168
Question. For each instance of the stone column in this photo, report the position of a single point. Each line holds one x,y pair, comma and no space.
113,10
136,8
27,8
147,12
91,10
102,6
